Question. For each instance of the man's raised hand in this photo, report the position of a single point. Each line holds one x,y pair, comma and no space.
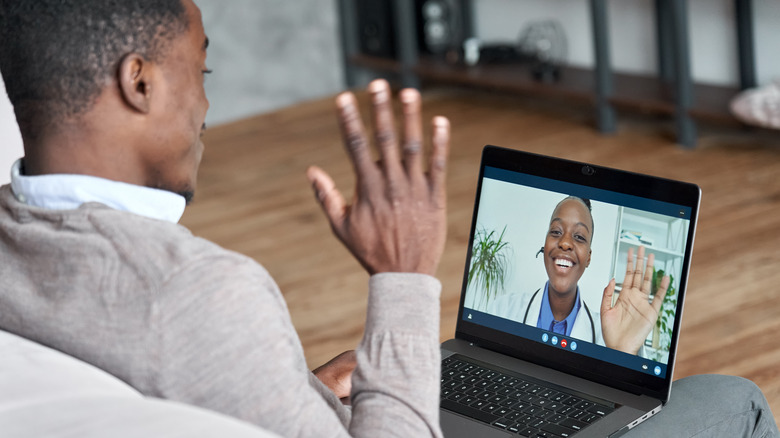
397,219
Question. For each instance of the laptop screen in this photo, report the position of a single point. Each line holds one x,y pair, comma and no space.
545,248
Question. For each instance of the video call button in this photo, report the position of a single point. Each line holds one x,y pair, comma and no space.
555,340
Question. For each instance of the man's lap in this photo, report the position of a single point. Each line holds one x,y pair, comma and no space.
712,405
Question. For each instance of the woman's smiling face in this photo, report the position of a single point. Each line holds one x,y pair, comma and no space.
567,246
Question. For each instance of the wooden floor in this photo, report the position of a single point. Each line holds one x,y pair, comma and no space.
253,198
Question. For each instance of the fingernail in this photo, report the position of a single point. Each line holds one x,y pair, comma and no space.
409,95
378,85
441,122
345,99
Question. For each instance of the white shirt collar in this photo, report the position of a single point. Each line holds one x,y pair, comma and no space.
68,192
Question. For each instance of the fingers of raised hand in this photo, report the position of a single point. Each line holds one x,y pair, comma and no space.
354,134
439,154
384,126
330,199
412,131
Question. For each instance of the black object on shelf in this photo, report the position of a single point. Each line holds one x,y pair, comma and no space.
376,30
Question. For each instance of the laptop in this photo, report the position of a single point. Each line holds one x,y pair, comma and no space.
519,364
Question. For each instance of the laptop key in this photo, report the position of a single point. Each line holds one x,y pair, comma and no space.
489,375
478,371
600,410
555,418
590,418
479,404
542,402
515,428
555,406
571,401
490,407
565,410
558,430
573,424
481,383
535,389
474,391
455,396
513,415
487,395
577,414
584,405
471,380
467,400
485,417
528,398
497,399
512,382
501,378
501,423
528,431
502,412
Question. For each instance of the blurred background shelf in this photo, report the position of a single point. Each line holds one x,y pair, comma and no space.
395,28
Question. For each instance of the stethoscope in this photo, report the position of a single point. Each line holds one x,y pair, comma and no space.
587,311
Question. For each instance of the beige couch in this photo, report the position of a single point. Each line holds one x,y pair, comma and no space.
45,393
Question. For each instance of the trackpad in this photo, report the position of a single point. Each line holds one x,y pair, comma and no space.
455,426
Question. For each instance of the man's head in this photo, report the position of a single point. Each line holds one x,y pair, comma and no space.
108,88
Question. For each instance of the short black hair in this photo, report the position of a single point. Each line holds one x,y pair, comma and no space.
585,201
56,55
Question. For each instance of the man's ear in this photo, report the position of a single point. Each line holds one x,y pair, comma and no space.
135,82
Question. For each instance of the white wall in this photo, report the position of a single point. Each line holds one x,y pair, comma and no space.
632,33
10,138
268,54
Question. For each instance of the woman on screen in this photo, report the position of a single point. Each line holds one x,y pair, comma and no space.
558,306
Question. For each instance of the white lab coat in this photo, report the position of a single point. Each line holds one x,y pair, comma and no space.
516,306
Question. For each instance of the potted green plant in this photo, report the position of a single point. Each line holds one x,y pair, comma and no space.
662,332
489,263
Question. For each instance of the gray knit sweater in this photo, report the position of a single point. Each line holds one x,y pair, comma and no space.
178,317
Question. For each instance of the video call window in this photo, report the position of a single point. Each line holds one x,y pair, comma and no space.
507,274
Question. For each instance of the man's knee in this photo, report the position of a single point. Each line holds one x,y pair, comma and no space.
713,405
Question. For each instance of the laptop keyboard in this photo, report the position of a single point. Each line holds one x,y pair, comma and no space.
513,402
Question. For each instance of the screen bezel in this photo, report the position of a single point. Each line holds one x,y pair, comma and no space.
584,174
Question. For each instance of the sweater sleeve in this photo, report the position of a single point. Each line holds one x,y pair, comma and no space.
227,344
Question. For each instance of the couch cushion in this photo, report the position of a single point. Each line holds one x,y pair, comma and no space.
44,392
33,373
120,417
